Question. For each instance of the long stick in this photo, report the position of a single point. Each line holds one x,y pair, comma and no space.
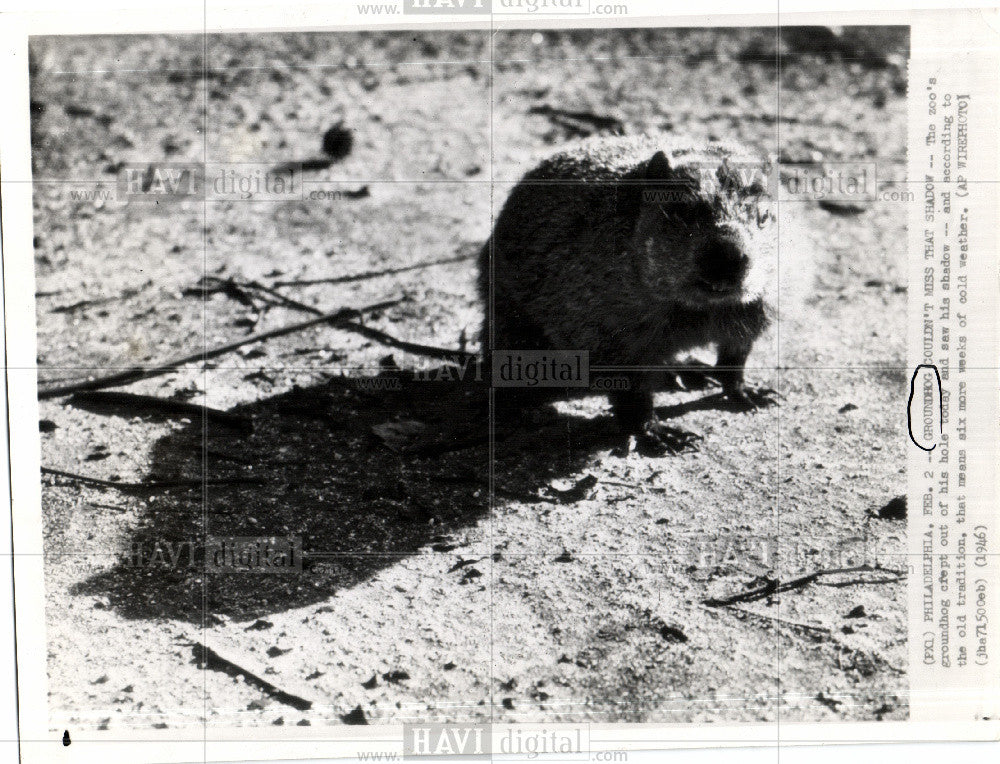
776,587
416,348
138,404
156,484
373,274
134,374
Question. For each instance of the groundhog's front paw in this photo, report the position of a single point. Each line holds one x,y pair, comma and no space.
659,439
751,398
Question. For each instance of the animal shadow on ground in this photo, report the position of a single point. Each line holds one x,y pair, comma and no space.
362,474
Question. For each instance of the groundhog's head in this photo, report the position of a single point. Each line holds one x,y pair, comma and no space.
702,235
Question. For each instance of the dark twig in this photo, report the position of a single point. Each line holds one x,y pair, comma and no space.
856,581
128,293
154,485
209,659
238,290
416,348
430,351
135,374
373,274
139,404
561,116
209,285
73,307
775,587
319,163
288,302
782,621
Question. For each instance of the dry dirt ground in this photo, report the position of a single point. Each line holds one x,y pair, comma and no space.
595,586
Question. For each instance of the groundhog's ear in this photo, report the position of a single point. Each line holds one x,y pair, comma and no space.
658,167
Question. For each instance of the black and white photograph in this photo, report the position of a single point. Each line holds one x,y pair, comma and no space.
608,375
547,375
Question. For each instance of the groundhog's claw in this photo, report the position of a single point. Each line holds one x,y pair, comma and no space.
751,399
659,439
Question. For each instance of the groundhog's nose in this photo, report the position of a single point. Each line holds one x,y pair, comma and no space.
723,264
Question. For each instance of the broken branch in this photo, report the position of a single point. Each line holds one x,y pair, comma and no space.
775,587
149,404
373,274
154,485
207,658
137,373
431,351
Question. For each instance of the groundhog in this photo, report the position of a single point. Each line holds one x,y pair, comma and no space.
635,250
